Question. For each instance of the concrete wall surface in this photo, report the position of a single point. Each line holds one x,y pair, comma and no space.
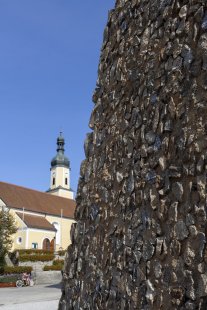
47,277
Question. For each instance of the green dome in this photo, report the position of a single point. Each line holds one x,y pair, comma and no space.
60,159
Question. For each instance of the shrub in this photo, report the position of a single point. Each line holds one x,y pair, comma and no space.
7,229
61,252
15,269
9,279
53,267
36,257
58,262
33,251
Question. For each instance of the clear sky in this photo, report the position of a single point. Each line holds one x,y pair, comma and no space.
49,55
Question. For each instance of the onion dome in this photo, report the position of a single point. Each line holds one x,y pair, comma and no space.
60,159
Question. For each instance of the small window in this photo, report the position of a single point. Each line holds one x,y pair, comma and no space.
53,181
34,245
19,240
66,181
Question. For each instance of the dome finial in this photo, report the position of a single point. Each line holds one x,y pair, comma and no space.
60,143
60,159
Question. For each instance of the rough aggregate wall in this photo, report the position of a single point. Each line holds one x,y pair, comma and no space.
140,237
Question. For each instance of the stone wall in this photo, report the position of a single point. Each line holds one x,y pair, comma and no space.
47,277
36,266
140,237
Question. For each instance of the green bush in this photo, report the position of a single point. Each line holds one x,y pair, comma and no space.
15,269
33,251
53,267
9,279
58,262
36,257
61,252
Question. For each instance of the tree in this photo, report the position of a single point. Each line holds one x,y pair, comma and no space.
7,229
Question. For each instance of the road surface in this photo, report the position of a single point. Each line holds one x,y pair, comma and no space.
41,297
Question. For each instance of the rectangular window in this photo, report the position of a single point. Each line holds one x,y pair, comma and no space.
66,181
53,181
34,245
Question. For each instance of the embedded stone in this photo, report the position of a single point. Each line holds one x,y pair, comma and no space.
150,294
199,14
173,212
183,11
168,126
189,305
204,22
119,177
150,137
181,231
157,269
154,198
148,250
202,285
193,230
163,163
177,189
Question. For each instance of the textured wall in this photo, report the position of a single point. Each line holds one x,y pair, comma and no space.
140,237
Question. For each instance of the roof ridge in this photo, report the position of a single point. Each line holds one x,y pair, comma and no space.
34,190
19,197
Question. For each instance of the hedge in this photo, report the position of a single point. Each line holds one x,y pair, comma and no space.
33,251
58,262
15,269
9,279
36,257
53,267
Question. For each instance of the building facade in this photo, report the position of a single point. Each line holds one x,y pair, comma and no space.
43,219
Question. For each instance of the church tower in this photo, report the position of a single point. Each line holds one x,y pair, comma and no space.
60,172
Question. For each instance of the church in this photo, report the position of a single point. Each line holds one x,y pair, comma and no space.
43,219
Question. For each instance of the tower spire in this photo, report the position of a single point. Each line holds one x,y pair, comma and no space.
60,143
60,171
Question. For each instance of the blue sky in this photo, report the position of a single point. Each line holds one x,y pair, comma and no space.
49,57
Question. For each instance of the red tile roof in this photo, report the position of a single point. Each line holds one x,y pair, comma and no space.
20,197
33,221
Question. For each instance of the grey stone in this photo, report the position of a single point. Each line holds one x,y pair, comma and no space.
177,189
181,231
150,137
119,176
154,198
204,22
150,294
183,11
173,212
148,250
189,305
158,270
199,14
202,285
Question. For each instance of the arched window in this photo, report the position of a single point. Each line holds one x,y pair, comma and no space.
57,226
